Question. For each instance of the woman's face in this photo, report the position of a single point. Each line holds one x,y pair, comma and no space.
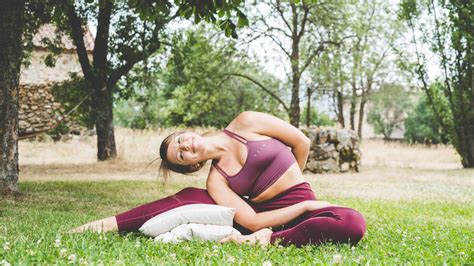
186,148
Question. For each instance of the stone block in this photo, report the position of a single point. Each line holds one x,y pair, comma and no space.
345,167
333,150
23,124
323,137
330,165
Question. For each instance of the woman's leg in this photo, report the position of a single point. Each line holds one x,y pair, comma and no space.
132,220
327,225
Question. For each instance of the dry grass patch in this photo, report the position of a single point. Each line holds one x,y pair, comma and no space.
393,154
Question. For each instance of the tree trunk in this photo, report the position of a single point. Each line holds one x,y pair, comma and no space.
11,28
340,109
295,88
465,145
469,161
353,105
308,107
361,117
295,101
102,98
363,100
102,105
295,70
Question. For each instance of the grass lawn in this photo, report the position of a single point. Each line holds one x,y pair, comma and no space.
417,203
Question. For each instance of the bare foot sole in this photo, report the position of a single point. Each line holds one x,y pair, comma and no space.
261,237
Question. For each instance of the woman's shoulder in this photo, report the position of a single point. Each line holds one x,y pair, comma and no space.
243,122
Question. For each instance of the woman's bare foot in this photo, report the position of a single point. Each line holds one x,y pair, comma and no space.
99,226
260,237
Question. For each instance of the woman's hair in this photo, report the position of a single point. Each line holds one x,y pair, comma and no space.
166,165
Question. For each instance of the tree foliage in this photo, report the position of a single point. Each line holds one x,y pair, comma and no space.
451,40
421,125
297,31
128,32
361,61
388,107
194,88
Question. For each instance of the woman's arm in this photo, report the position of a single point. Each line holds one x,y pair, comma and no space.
246,216
274,127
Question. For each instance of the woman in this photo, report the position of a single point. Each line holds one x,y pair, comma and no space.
257,164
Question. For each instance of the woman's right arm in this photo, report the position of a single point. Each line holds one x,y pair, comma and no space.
246,216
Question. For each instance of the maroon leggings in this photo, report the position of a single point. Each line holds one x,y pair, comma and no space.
330,224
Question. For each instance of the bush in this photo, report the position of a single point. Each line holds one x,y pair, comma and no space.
388,108
421,125
317,118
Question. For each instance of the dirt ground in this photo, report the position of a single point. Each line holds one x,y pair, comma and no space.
389,170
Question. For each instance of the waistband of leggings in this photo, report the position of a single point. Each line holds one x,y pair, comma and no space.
303,185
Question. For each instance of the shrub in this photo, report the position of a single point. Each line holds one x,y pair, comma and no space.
421,125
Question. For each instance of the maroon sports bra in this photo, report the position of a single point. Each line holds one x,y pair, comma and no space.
266,161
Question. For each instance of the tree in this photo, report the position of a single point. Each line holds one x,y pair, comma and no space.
421,125
351,71
193,89
297,30
200,90
132,38
11,28
388,108
451,39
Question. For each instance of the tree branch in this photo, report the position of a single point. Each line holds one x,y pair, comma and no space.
262,87
304,20
277,42
443,59
421,73
102,37
320,49
117,73
272,28
311,57
277,6
78,39
379,62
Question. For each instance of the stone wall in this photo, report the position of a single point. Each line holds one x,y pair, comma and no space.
38,110
333,150
38,73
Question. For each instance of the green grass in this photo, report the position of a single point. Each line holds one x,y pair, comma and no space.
33,231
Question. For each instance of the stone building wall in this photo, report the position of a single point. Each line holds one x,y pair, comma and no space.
38,110
333,150
37,72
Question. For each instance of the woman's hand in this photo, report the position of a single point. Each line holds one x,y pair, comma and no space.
312,205
260,237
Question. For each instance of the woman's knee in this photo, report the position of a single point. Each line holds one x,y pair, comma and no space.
188,190
196,195
354,224
342,225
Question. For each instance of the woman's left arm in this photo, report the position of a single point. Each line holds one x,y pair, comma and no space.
272,126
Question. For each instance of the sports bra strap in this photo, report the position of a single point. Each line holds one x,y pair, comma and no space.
219,169
235,136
